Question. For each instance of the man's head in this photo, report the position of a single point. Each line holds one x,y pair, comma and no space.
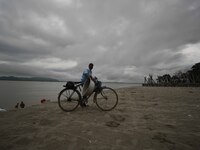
90,66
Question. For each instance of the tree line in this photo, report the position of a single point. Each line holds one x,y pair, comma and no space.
190,77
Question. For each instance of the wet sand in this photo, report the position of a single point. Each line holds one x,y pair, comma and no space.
146,118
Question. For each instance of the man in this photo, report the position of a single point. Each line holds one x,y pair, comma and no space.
87,73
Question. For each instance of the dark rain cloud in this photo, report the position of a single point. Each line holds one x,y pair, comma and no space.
126,40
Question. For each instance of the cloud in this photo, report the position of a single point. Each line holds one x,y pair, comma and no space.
126,40
51,63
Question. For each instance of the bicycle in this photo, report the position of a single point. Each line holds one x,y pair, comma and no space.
70,97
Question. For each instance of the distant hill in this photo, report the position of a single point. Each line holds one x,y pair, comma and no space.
13,78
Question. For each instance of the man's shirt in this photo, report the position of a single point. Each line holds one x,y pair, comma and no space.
86,74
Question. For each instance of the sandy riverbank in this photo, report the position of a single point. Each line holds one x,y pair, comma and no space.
150,118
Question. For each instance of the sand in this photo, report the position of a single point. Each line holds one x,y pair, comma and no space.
146,118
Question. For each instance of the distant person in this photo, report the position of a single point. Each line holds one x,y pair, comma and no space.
43,100
22,105
17,105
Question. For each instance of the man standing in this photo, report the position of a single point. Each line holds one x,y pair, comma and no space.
87,73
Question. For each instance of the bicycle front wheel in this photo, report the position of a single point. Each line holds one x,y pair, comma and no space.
106,99
68,99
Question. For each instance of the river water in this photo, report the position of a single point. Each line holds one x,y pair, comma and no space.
12,92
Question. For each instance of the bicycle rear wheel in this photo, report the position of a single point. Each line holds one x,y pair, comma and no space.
106,99
69,99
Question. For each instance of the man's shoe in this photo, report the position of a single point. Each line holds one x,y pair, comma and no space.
83,104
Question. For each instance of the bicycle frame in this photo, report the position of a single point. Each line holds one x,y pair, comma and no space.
78,86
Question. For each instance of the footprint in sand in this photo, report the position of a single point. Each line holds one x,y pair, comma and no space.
46,122
162,138
115,121
117,117
133,93
112,124
121,109
122,98
170,126
148,117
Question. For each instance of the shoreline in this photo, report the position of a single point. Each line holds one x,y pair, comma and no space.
145,118
172,85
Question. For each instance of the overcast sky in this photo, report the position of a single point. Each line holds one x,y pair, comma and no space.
125,39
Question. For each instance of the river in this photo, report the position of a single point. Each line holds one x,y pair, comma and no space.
13,92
